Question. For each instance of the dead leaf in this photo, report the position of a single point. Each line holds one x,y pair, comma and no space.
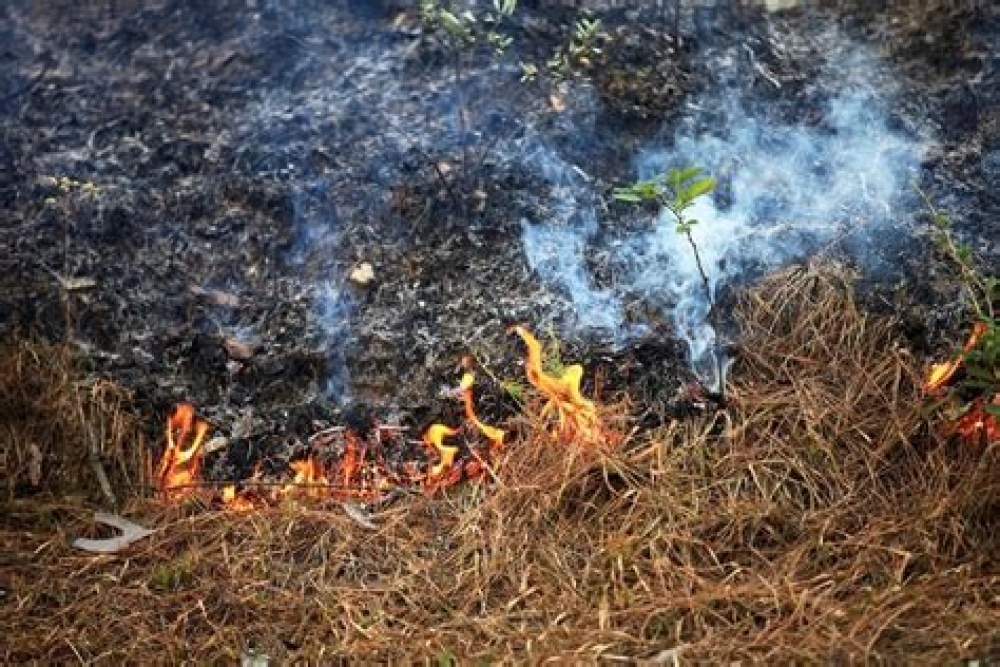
215,444
557,103
131,532
217,297
72,284
237,349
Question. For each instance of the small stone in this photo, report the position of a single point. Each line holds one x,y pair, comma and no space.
362,274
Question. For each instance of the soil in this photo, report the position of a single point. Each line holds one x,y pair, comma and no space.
193,193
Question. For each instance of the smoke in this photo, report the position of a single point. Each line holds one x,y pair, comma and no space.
556,251
787,190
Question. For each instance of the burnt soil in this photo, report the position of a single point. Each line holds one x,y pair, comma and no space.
233,163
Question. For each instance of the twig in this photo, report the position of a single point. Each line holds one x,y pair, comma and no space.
713,319
29,86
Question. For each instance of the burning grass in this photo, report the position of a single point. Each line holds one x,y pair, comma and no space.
823,519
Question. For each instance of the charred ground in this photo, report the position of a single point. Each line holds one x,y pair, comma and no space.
231,164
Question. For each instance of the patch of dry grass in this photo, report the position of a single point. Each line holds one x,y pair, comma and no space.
64,433
823,520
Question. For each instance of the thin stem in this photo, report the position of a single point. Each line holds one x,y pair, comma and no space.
971,279
713,315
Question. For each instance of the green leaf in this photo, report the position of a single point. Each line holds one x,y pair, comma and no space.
701,187
985,385
452,23
680,176
992,409
629,196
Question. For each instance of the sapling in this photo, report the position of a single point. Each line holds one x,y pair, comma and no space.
676,190
465,32
982,354
578,52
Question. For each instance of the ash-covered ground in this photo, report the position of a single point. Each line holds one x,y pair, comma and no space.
277,212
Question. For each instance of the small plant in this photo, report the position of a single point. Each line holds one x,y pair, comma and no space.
578,52
972,401
676,190
465,33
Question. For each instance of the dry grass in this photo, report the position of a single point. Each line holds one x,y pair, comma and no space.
824,521
61,432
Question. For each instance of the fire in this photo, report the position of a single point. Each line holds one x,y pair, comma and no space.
444,470
233,500
180,466
977,422
576,415
941,373
493,434
362,471
310,479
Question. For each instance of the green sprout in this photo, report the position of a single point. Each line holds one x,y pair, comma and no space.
677,190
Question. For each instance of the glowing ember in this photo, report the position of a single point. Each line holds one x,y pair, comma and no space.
940,374
977,423
576,415
180,466
235,501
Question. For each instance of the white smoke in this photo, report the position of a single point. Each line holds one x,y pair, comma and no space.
786,191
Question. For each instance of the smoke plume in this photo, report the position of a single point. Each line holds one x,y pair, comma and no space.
787,190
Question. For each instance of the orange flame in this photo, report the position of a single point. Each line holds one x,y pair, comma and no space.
444,472
235,501
308,473
576,415
355,476
977,422
493,434
941,373
353,456
180,466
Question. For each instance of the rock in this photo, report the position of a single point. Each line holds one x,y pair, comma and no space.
362,274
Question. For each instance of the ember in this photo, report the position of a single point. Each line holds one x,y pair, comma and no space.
976,423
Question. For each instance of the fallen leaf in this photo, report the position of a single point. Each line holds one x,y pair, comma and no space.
253,659
71,284
131,532
217,297
557,103
237,349
215,444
